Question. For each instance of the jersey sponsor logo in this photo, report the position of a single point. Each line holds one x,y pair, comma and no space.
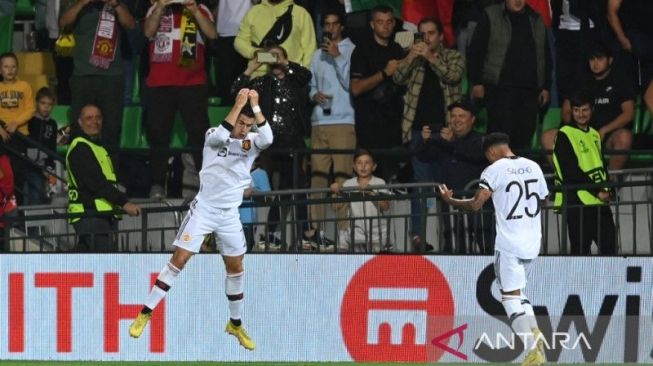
247,145
389,318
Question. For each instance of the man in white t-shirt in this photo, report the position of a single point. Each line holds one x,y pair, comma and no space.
229,152
517,187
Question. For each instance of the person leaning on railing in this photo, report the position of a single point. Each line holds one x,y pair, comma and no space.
577,159
92,186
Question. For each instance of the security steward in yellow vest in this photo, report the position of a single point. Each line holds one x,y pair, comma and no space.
92,186
578,159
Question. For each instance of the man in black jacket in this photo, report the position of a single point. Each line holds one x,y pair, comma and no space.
458,150
92,186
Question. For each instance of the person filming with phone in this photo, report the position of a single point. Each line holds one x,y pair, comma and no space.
432,74
332,120
282,94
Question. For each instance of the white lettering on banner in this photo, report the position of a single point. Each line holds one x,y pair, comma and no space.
78,307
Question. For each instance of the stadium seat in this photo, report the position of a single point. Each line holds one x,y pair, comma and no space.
552,119
217,115
464,84
215,101
179,136
36,81
6,33
136,90
132,135
480,125
61,114
25,9
35,63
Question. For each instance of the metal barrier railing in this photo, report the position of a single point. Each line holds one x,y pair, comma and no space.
45,228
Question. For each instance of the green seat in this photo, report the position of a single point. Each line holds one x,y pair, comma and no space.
464,84
552,119
179,136
61,114
132,135
136,89
217,115
6,33
25,9
215,101
480,125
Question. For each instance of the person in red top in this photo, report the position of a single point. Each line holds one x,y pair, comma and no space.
177,80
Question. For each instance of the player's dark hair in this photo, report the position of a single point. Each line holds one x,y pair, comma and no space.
361,152
247,111
494,139
438,24
380,9
45,92
581,99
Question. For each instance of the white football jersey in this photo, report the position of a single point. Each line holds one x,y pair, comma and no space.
517,186
226,165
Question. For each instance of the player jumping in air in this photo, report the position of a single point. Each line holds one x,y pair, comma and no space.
516,186
229,152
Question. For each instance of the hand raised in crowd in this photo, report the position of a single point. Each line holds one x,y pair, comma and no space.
426,132
391,67
191,5
131,209
163,3
447,134
242,97
331,48
253,97
252,65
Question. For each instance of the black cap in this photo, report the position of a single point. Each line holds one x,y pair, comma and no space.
463,104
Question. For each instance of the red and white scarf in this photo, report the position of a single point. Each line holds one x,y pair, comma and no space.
106,39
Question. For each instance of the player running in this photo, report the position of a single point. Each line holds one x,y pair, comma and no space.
517,187
229,152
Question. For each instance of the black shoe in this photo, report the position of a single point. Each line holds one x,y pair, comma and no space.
318,240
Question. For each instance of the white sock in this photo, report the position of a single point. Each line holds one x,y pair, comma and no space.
167,276
233,285
518,320
528,309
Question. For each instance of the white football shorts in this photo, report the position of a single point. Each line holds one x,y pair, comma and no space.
511,272
202,220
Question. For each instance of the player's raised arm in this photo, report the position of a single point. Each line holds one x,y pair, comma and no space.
264,138
471,204
241,101
216,137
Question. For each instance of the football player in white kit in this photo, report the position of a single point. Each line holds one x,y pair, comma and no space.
517,187
229,152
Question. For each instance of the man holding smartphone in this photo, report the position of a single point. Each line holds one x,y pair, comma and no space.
332,119
432,74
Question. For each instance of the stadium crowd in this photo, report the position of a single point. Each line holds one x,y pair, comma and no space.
417,83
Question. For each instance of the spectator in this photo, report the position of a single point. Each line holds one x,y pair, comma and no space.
458,151
228,63
281,90
279,21
377,100
248,215
433,75
16,109
333,116
630,21
7,197
575,25
97,75
509,65
369,225
177,80
578,159
43,131
92,186
613,102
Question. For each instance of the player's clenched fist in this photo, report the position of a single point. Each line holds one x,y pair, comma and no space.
241,97
253,97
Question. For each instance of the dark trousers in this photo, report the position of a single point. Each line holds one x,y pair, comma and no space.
107,93
96,234
571,61
512,111
587,224
163,104
228,65
283,164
